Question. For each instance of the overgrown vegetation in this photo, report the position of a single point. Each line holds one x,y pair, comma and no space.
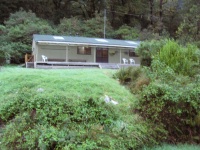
171,97
65,109
147,50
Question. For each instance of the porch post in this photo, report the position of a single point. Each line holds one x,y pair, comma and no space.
35,56
94,54
120,56
36,53
67,50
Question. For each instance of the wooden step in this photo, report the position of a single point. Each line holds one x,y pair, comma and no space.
29,64
108,66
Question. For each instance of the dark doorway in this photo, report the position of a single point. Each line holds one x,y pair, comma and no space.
102,55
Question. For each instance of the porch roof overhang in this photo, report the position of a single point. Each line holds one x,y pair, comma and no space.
81,44
83,41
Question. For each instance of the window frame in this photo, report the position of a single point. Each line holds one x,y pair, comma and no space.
85,51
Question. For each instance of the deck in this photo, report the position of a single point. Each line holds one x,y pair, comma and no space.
68,65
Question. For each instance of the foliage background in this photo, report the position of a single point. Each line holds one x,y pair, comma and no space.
132,20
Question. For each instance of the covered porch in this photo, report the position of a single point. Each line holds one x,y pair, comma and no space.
73,65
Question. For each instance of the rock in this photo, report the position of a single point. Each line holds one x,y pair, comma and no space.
114,102
108,99
40,90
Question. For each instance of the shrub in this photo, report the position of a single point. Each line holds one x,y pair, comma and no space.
134,78
54,121
139,83
14,51
148,49
183,60
126,75
173,107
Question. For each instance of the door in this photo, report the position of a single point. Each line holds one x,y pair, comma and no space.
102,55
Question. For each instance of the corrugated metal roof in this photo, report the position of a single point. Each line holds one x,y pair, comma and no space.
73,40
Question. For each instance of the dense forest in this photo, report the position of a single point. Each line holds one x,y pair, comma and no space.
125,19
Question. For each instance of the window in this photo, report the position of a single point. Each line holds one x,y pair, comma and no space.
58,37
132,53
101,40
84,50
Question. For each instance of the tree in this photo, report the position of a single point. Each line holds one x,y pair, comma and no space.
70,26
127,33
128,12
164,15
95,27
172,16
19,29
189,29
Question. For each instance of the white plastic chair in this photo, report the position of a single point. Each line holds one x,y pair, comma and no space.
44,58
132,61
125,61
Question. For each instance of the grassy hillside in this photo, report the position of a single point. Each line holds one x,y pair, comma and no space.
75,84
65,109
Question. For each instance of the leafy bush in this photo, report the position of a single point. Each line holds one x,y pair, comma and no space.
126,75
183,60
14,51
55,121
173,107
134,78
148,49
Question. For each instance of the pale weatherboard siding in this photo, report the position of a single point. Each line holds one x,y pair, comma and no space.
72,53
113,58
52,52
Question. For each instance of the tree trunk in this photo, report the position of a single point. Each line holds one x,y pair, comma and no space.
151,5
160,17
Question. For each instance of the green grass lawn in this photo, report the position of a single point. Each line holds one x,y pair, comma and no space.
74,83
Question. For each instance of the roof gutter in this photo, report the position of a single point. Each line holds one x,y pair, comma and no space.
86,44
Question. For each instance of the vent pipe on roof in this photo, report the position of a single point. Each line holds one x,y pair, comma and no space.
104,31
